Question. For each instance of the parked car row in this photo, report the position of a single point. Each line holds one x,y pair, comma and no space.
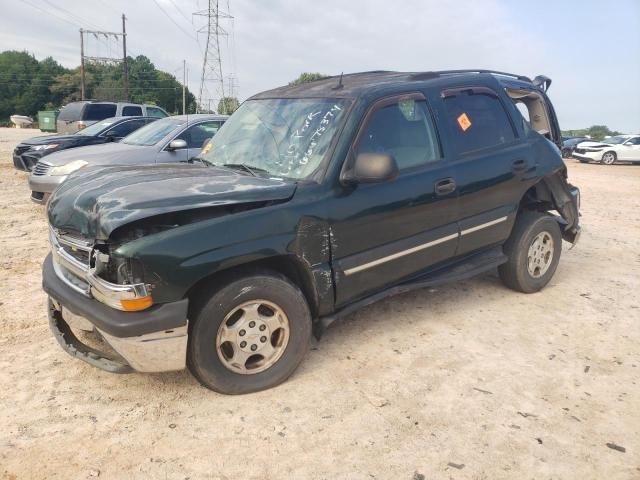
29,152
310,201
610,150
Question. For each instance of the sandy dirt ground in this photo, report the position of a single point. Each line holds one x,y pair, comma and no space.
466,381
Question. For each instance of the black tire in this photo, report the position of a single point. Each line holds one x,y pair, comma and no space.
515,274
608,158
202,355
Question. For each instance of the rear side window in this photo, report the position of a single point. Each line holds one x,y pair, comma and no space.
99,111
155,112
72,112
477,118
130,111
404,130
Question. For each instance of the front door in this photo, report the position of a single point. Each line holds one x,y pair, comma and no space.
630,150
387,232
195,136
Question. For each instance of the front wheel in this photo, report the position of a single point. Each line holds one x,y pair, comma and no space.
249,335
609,158
533,250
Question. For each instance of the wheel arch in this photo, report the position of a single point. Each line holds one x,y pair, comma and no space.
553,193
287,265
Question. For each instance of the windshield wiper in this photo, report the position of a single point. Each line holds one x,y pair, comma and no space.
201,160
249,169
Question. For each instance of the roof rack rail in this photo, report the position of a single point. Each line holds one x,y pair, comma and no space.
424,75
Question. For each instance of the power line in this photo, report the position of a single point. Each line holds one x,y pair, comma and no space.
173,21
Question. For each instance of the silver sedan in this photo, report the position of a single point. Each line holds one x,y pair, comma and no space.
171,139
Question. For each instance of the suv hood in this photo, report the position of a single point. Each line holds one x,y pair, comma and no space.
95,201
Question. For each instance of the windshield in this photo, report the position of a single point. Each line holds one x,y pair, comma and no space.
153,133
96,128
282,137
615,140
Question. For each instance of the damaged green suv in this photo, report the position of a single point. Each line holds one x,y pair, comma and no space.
311,201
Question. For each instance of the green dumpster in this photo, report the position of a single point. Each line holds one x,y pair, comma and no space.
47,120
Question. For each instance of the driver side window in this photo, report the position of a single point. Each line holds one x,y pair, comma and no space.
197,135
404,130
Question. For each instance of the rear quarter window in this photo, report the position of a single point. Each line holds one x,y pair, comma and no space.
72,112
155,112
99,111
477,119
131,111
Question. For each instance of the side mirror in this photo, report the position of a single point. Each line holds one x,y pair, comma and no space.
176,145
628,144
111,136
372,168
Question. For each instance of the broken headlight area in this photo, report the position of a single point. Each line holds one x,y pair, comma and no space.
116,268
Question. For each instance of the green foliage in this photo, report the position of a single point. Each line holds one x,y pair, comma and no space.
307,77
28,85
228,105
597,132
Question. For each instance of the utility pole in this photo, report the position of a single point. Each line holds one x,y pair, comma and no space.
184,87
212,61
82,86
103,60
124,59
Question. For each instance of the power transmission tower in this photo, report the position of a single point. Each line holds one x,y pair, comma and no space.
107,35
212,61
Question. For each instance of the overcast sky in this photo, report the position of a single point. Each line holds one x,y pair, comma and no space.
591,49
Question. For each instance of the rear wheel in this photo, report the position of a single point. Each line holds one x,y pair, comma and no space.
608,158
533,249
249,335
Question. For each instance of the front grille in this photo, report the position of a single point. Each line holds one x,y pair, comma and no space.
579,150
78,251
41,168
80,255
77,247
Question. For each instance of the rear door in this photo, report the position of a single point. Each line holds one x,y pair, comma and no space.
492,163
386,232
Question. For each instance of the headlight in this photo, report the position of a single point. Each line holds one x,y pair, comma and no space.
45,147
68,168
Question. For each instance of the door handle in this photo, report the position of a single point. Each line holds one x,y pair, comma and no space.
445,186
519,166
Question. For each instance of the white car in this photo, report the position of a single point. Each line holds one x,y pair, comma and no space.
609,150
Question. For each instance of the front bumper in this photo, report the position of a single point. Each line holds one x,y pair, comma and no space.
588,156
42,186
152,340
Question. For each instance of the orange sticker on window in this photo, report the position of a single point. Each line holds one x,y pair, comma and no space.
464,122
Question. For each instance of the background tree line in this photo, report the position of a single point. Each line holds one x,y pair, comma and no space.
28,85
597,132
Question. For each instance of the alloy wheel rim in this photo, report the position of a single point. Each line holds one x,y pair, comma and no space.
608,158
252,337
540,254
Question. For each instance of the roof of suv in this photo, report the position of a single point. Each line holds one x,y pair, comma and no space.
354,84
